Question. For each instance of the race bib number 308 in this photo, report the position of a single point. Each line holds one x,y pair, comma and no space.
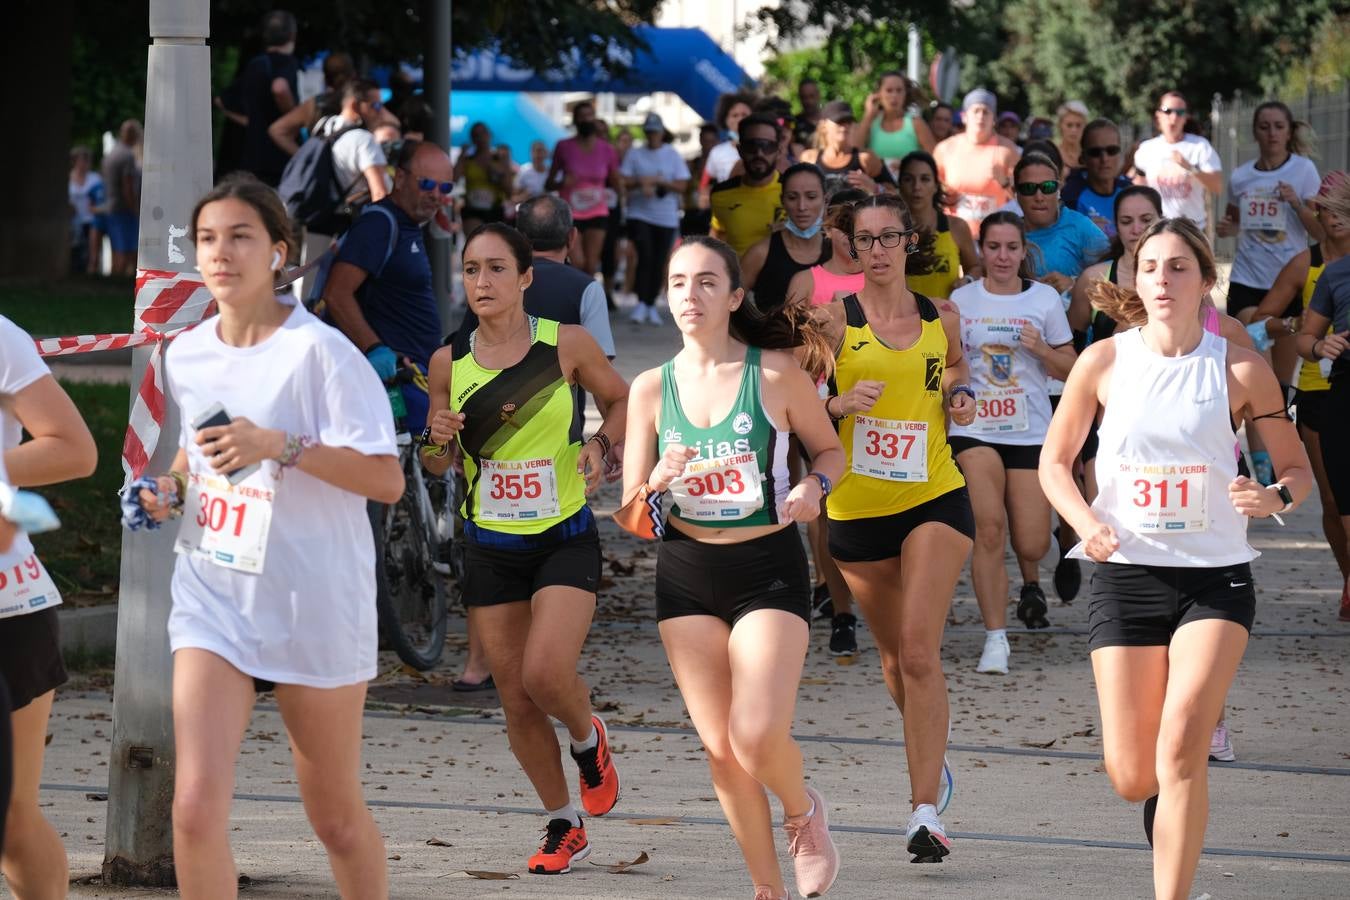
890,449
1001,410
1163,497
227,524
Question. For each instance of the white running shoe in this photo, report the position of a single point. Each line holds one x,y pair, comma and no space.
639,313
1221,744
925,837
654,315
994,659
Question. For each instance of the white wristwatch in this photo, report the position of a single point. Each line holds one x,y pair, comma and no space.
1283,491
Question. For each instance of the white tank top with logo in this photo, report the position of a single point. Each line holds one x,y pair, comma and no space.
1166,458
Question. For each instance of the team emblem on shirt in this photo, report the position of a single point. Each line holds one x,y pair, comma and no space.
742,424
998,358
932,380
508,412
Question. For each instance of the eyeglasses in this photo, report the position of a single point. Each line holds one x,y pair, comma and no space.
1173,110
1029,188
431,184
762,146
1099,152
887,239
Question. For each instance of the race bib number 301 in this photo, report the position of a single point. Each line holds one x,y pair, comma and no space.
1164,497
724,488
227,524
26,587
517,490
890,449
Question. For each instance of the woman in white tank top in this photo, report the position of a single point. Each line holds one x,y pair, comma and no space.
1172,601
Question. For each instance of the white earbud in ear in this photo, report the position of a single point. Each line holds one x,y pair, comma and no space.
276,261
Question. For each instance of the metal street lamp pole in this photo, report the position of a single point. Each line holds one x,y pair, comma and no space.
176,171
436,87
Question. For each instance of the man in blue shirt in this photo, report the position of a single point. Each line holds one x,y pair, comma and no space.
379,292
1092,189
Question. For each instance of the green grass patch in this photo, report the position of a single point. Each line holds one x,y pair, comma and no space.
84,556
76,305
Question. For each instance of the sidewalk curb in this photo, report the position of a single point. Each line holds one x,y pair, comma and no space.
88,631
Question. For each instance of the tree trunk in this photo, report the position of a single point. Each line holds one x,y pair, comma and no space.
35,56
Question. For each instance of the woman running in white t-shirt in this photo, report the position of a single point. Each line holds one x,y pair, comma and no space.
1172,601
275,584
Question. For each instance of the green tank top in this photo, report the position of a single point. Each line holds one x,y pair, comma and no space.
520,438
740,474
893,144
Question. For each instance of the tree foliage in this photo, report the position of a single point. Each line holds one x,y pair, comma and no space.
846,68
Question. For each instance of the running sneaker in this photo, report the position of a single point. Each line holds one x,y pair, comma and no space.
925,838
994,659
1068,579
1150,810
844,634
815,860
1345,604
1221,745
639,313
822,604
946,787
1032,606
765,892
599,778
563,844
654,316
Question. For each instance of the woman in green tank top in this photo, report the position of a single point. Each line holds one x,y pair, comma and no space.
710,429
887,128
532,561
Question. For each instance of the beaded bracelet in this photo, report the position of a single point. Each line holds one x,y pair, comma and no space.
605,445
180,481
296,444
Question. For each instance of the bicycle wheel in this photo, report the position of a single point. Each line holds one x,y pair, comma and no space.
410,595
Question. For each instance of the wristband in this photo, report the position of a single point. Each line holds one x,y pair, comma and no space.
296,444
179,479
1315,356
825,486
603,438
961,389
842,414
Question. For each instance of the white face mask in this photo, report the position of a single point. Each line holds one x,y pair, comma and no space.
808,232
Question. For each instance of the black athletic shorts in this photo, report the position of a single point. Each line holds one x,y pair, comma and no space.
1091,443
30,656
694,578
598,223
1312,408
1143,606
882,537
1334,437
1241,296
6,759
494,575
1014,456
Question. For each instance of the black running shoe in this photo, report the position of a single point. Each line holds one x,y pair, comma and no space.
1068,579
844,634
1031,608
1150,810
822,604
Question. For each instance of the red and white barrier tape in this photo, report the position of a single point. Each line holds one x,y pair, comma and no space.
167,304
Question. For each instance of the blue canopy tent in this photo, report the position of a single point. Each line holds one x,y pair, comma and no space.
514,119
683,61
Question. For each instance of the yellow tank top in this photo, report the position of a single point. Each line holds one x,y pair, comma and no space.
937,282
1309,374
897,453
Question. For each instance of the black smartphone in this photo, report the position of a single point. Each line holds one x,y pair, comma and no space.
214,416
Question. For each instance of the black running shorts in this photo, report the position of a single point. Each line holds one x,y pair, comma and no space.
30,656
875,539
1335,440
1241,296
1014,456
494,575
1312,408
694,578
1143,606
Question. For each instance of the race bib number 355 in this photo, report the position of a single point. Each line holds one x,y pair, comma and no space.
228,524
1164,497
517,490
890,449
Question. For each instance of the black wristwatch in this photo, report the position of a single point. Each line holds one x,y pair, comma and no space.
1283,491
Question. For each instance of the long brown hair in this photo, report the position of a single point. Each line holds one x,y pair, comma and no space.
785,329
1027,269
1124,304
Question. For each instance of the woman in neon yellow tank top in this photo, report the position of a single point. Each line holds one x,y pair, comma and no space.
533,557
901,515
733,594
954,260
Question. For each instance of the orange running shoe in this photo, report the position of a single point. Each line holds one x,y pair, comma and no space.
563,844
599,778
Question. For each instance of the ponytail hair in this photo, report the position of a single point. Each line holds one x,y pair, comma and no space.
787,328
1301,136
1124,304
1006,217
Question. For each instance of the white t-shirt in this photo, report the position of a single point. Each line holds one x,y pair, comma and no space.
1012,387
309,617
664,163
353,153
1262,252
20,366
721,160
81,197
531,181
1182,193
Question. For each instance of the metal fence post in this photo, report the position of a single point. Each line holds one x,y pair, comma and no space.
176,171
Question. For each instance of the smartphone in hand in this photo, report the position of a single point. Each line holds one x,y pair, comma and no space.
214,416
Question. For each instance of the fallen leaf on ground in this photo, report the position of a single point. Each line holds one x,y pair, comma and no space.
437,842
653,821
482,876
620,867
1040,745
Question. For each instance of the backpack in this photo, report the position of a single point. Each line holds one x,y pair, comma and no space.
314,300
310,189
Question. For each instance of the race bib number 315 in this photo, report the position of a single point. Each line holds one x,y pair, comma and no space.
1262,212
890,449
228,524
1164,497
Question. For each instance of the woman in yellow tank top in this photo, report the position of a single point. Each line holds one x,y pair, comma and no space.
901,515
954,261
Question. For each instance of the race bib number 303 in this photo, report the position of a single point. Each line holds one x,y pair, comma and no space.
26,587
227,524
724,488
1163,497
890,449
517,490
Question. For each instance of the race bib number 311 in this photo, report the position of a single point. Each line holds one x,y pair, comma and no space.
1165,497
228,524
890,449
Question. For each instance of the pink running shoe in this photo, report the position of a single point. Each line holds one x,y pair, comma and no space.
1221,744
814,856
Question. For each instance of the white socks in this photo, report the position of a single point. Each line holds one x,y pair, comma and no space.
588,744
568,812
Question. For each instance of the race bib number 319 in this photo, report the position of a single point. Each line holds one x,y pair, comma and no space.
1164,497
890,449
26,587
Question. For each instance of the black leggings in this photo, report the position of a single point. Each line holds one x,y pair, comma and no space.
6,759
652,243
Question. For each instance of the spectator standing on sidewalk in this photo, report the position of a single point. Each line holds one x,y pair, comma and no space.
268,92
122,180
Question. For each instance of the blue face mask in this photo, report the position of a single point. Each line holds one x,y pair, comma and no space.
804,233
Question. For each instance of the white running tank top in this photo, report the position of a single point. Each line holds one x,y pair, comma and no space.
1166,458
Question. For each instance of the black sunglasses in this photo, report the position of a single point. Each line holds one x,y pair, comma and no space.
1173,110
1099,152
1029,188
762,146
431,184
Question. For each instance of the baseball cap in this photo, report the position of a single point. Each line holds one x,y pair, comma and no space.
653,123
838,111
1009,116
980,97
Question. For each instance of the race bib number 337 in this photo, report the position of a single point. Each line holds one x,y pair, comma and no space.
890,449
1163,497
228,524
